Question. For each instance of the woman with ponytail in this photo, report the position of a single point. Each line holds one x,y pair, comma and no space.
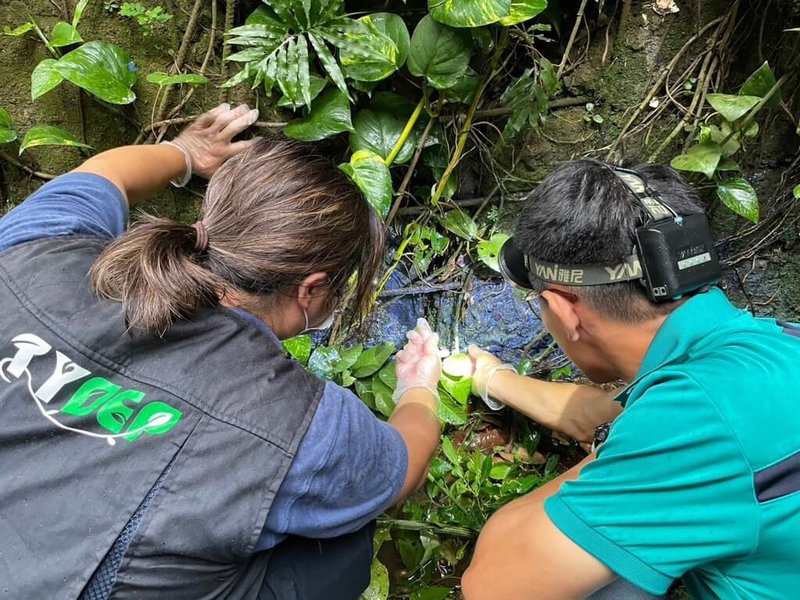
155,440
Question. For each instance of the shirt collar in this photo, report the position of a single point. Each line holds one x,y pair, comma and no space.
686,326
251,318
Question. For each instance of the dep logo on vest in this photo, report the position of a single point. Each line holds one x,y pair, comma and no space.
120,412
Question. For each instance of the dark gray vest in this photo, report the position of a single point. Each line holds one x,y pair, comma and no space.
204,423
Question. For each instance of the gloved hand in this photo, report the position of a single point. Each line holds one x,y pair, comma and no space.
418,363
207,141
484,366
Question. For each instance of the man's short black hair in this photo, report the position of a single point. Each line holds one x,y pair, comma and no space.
583,214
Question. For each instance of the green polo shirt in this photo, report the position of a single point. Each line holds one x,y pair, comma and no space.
700,475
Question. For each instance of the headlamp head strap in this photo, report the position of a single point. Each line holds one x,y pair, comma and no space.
584,275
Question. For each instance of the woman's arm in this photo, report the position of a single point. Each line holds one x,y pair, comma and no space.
419,369
141,171
571,409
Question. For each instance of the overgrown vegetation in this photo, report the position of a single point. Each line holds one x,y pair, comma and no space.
429,109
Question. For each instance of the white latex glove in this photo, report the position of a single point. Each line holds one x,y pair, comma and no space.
419,364
208,139
482,363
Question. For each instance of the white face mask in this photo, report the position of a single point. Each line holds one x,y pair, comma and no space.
326,324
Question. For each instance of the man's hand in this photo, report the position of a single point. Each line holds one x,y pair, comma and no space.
209,139
482,362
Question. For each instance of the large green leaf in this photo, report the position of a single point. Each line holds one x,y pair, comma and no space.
760,83
738,195
371,360
522,10
450,411
439,53
47,135
379,127
64,34
701,158
330,114
732,107
316,85
44,78
164,79
7,133
372,176
323,362
102,69
469,13
717,135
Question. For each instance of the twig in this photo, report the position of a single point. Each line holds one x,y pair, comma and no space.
180,57
189,119
13,161
553,105
230,15
401,191
212,38
454,531
465,203
571,41
418,291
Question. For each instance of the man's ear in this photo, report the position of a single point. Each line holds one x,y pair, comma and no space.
311,288
562,306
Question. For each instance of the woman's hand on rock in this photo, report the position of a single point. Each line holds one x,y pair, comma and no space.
209,140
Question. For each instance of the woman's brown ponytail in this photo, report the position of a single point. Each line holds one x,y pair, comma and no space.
153,271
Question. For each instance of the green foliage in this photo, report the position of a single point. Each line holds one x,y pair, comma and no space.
148,19
796,192
47,135
380,127
528,97
461,224
278,36
718,142
102,69
7,133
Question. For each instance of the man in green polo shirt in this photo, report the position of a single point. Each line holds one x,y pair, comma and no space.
699,478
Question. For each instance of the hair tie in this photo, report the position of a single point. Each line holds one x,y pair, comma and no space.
201,243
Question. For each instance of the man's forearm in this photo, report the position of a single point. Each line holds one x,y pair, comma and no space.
571,409
138,171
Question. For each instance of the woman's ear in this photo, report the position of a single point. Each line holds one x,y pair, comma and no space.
312,288
562,307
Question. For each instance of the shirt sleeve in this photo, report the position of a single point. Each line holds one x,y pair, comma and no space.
75,203
348,469
669,491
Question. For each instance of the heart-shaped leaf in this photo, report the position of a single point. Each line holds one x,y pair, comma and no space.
732,107
439,53
164,79
330,114
701,158
102,69
299,348
47,135
64,34
393,27
522,10
760,83
738,195
379,127
365,53
489,250
44,78
322,362
469,13
378,588
372,176
7,133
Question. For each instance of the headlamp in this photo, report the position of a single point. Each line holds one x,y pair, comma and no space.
673,254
